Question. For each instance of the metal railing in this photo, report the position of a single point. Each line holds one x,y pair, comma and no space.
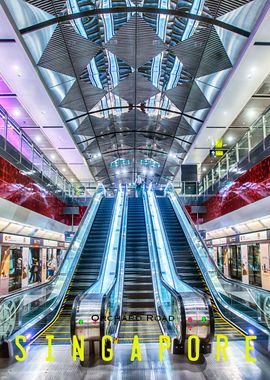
13,134
257,133
23,312
245,305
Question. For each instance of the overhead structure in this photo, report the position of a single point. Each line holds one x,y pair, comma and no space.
134,81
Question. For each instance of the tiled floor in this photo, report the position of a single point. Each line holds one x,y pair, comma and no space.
173,367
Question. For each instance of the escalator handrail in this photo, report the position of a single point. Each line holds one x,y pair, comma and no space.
106,247
80,296
170,289
199,292
108,293
53,278
212,289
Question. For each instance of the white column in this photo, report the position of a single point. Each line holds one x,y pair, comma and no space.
25,258
264,259
244,260
44,264
226,261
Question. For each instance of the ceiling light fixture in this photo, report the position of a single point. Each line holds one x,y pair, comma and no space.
17,112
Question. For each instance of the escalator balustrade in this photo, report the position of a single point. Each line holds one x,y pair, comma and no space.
187,267
85,274
138,299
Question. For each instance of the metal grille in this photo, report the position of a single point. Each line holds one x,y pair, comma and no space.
54,7
136,43
67,52
135,89
82,97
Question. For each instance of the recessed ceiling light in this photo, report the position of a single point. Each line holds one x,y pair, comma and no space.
117,172
52,156
204,169
230,139
17,112
251,112
64,170
151,172
124,171
38,139
72,179
144,171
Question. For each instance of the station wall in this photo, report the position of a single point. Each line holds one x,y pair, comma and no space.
23,191
248,188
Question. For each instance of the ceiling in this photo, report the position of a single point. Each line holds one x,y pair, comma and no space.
134,81
255,107
10,102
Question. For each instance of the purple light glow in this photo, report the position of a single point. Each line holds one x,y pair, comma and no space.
4,89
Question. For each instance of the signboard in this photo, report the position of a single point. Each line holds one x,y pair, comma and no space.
36,242
220,241
233,239
69,235
50,243
15,239
253,236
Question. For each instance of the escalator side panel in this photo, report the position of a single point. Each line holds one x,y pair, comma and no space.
186,265
85,274
138,300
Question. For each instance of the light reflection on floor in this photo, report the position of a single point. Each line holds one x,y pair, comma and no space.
173,367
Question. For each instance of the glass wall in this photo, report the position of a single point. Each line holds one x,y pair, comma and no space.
23,266
235,262
254,265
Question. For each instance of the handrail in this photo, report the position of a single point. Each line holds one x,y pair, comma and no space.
100,297
220,302
6,117
118,271
198,291
237,282
250,128
175,294
53,278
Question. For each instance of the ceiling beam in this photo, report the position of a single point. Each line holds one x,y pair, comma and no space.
138,107
171,12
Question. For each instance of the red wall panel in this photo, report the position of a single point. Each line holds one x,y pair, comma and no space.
248,188
22,190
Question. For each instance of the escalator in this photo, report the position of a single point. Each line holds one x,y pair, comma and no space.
187,267
138,297
85,274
